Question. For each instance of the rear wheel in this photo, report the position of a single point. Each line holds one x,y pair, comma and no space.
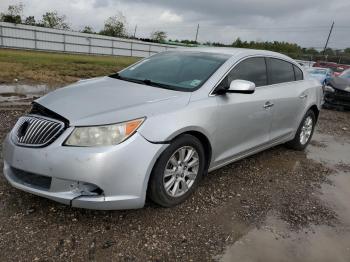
304,133
177,172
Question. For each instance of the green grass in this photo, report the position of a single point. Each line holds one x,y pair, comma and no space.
55,69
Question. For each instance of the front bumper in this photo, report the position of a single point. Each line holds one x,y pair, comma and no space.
120,172
337,98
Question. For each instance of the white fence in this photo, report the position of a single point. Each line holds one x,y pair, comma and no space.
46,39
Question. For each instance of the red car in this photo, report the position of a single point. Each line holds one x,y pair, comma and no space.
325,64
340,69
336,68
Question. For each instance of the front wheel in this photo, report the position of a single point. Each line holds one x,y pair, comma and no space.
177,172
304,133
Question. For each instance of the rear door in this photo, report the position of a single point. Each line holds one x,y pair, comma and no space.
243,121
288,95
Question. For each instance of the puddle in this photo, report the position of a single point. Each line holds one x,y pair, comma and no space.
21,93
276,241
329,150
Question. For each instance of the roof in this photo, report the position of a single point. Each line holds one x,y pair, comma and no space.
236,51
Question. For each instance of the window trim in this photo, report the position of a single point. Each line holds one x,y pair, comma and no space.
211,93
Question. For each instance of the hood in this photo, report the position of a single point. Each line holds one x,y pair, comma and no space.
107,100
340,83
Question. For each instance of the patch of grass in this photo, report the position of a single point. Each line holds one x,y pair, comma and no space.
56,69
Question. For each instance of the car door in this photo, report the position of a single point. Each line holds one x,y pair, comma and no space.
288,96
243,119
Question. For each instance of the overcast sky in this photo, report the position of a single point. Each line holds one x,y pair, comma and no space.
305,22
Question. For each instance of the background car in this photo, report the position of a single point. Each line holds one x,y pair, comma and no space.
337,91
305,63
323,75
340,69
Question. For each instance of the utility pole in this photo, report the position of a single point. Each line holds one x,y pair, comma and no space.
197,32
329,35
135,31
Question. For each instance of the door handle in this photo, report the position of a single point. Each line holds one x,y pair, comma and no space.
303,96
268,104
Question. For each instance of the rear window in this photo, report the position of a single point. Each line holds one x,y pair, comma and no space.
280,71
299,74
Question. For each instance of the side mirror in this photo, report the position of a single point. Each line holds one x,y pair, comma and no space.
241,86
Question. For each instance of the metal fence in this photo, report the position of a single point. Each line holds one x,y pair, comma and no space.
46,39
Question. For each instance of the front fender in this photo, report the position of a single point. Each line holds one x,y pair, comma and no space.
198,116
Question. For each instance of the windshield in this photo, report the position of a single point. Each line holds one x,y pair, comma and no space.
345,74
177,70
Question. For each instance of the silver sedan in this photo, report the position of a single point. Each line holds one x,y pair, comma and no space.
155,128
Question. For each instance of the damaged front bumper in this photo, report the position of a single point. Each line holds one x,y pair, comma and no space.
105,178
337,98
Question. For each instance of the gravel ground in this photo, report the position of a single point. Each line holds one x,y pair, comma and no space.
228,203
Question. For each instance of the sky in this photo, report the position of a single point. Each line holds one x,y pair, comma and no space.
305,22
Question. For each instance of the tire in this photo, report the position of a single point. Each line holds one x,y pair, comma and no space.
298,143
183,174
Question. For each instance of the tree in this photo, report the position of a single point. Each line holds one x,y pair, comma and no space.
329,51
159,36
13,15
87,30
54,20
311,51
347,50
238,43
30,20
115,26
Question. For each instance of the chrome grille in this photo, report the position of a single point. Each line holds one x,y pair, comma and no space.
36,131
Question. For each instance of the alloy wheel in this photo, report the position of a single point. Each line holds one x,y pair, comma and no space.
306,130
181,171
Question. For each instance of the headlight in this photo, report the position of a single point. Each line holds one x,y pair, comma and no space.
103,135
329,89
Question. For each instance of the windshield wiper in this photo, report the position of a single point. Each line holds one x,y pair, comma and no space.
145,81
156,84
118,76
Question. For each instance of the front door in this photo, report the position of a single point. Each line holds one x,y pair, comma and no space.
244,119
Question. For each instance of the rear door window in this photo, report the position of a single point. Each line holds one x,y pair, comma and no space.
280,71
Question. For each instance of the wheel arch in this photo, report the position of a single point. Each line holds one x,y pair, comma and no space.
205,142
207,150
316,111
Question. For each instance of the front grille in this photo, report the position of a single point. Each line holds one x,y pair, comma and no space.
30,179
342,94
36,131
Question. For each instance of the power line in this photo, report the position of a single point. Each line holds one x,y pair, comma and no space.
197,33
135,31
329,35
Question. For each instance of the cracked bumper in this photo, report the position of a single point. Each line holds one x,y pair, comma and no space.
120,171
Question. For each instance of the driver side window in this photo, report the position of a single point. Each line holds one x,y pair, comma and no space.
251,69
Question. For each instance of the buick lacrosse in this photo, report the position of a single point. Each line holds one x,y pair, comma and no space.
155,128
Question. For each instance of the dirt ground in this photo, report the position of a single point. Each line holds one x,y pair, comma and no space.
278,205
